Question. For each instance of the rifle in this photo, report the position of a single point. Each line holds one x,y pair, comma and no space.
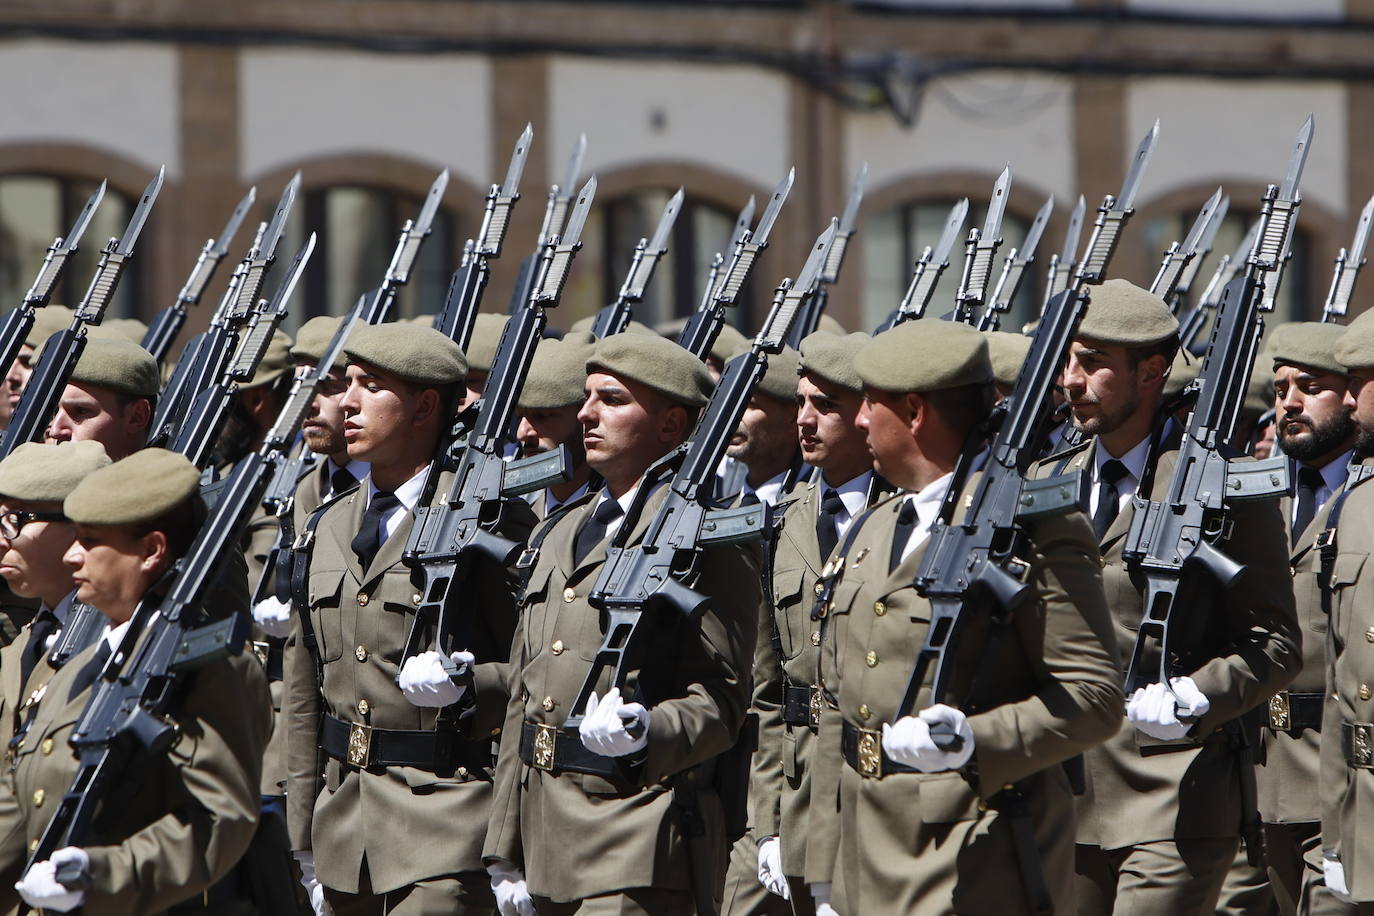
704,325
1173,542
1227,266
1180,255
204,358
1013,269
168,639
17,324
979,251
649,576
929,266
63,349
972,573
1064,265
1204,248
449,536
560,196
413,234
810,317
166,327
469,281
613,318
1348,264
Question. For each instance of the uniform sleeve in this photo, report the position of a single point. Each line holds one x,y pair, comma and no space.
765,775
300,716
13,849
503,827
823,806
215,767
1068,638
500,611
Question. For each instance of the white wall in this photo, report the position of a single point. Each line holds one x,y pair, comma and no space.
1247,9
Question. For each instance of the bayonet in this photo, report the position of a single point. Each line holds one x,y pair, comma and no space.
55,261
612,319
560,195
980,251
413,234
929,266
770,213
1179,255
1113,214
516,169
1204,248
1348,264
1063,264
260,258
501,199
743,222
550,286
1014,269
848,219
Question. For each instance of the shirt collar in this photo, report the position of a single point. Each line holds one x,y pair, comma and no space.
551,503
853,492
1133,459
770,491
115,633
1334,472
359,469
408,493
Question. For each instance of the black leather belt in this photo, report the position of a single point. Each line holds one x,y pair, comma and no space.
863,751
555,750
365,747
1293,712
1357,744
801,706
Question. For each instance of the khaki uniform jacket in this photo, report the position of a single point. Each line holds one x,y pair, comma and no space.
15,693
1347,792
406,823
1141,789
172,825
577,835
1037,691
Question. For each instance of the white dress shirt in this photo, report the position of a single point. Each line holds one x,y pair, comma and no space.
409,495
1126,486
770,491
853,494
1333,476
927,503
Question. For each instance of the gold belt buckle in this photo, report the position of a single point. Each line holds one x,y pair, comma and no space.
1279,712
359,745
261,650
870,754
544,740
814,709
1362,744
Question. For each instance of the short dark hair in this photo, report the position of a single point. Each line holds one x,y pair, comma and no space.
1167,348
178,524
964,407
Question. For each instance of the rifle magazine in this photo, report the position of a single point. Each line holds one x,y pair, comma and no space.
1053,496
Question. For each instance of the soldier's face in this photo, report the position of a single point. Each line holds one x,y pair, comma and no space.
767,432
18,375
1361,395
887,421
89,412
382,414
625,428
113,566
543,431
474,382
31,561
1101,386
825,422
323,429
1313,417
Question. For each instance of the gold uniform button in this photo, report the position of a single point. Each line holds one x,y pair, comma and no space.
46,746
38,797
1369,635
871,659
462,771
865,713
1365,692
816,638
415,599
363,599
820,587
557,647
982,807
33,844
569,595
549,704
364,707
879,608
360,654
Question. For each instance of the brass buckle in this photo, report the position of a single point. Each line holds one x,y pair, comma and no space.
359,745
261,650
544,740
1362,744
1279,712
814,709
870,754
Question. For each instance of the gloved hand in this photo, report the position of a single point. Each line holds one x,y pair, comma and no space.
40,888
512,896
424,682
770,868
1334,873
273,616
306,860
908,741
612,728
820,893
1157,712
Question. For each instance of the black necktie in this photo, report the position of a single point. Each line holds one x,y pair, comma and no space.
906,524
91,670
827,523
340,481
594,530
368,540
43,626
1108,500
1305,499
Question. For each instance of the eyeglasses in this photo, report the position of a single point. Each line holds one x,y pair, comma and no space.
11,523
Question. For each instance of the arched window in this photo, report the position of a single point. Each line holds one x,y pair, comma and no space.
35,209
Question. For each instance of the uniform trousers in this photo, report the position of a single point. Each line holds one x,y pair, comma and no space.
1295,869
744,895
637,901
464,894
1248,890
1164,878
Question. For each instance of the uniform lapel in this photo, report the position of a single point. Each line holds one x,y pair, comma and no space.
354,506
799,526
389,554
10,673
597,555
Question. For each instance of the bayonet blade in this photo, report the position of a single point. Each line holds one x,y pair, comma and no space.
517,162
83,219
770,213
436,193
1126,198
856,196
997,206
742,223
811,270
231,228
954,223
293,276
140,215
665,223
277,226
1204,219
1070,252
1297,161
1357,247
574,164
1209,235
1037,229
579,214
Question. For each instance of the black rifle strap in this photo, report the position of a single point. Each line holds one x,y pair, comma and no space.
301,551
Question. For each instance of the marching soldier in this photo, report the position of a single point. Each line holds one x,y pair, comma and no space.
109,397
622,816
548,406
180,819
1007,351
1160,820
983,823
481,353
765,442
390,817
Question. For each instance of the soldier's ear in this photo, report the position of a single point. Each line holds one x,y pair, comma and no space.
155,553
427,406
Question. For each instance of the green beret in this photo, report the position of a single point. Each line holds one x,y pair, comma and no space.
1355,349
1119,312
275,362
729,343
557,375
925,354
47,321
129,328
1182,371
1259,394
117,364
780,379
831,357
314,338
655,362
46,472
1311,344
134,490
829,324
582,338
423,356
633,327
486,334
1274,336
1008,353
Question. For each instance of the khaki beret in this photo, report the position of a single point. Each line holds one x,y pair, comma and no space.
1182,371
129,328
633,327
1311,344
314,338
1119,312
486,334
925,354
655,362
1008,353
827,323
117,364
582,338
557,376
1355,349
275,362
47,321
831,357
134,490
46,472
424,320
1274,335
729,344
780,379
423,356
1259,394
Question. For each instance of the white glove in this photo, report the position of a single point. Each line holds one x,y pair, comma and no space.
820,893
40,888
908,741
1334,873
1156,710
313,888
273,616
425,683
612,728
512,895
770,868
